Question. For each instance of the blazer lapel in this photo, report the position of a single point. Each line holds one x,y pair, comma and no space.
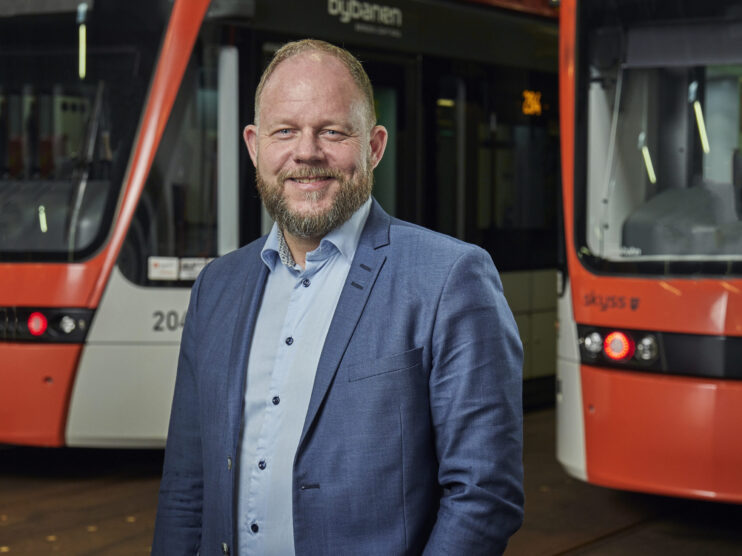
252,293
367,263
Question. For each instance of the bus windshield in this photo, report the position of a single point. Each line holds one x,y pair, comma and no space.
664,132
73,78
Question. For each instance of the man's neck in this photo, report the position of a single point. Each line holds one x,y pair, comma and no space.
300,246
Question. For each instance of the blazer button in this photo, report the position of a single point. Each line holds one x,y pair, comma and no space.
225,548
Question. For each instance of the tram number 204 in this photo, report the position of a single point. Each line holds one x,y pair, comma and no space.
168,321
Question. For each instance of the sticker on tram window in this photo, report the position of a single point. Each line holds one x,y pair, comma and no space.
190,267
162,268
174,268
168,321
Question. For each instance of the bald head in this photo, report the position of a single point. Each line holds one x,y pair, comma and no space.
318,50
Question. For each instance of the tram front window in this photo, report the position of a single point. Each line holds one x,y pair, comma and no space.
70,100
664,172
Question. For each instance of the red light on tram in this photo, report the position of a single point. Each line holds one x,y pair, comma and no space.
37,324
618,346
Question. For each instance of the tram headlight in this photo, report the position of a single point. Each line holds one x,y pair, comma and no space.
44,324
37,323
618,346
67,324
593,343
647,349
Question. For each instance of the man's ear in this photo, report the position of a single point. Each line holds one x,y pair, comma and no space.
377,142
250,135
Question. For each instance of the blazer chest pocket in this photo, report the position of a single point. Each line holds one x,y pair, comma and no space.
391,364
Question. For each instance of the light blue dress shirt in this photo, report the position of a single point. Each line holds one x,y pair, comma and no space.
294,317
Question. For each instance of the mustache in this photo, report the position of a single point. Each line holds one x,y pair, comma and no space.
309,172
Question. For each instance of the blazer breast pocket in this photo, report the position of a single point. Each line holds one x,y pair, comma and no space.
393,363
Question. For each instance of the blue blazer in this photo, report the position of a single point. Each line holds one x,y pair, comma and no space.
412,442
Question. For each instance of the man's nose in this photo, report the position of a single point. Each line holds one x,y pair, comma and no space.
308,148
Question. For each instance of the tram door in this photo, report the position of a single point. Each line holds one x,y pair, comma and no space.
492,180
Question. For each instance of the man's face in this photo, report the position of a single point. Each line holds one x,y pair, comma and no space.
313,150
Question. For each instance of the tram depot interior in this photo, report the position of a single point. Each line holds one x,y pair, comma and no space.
92,306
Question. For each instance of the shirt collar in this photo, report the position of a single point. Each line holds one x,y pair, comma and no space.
344,238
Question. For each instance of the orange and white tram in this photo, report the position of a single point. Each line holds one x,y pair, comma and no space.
649,373
122,174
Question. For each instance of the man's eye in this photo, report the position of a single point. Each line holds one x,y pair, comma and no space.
333,133
284,131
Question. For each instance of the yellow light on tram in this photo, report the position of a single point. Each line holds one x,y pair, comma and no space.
81,61
648,164
82,39
42,219
531,103
446,102
701,127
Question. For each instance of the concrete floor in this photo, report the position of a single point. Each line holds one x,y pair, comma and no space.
103,502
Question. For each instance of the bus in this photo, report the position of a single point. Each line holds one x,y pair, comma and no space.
122,173
649,389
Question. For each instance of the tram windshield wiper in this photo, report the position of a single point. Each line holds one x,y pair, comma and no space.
82,169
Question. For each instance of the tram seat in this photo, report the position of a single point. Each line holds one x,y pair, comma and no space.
698,220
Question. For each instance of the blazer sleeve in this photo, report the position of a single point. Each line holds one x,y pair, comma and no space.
178,521
476,410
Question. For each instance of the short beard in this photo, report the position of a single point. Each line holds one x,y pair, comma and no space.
315,223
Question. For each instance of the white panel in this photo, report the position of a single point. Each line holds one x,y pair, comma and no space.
543,344
122,396
543,290
135,314
517,286
570,419
228,151
567,346
523,322
124,385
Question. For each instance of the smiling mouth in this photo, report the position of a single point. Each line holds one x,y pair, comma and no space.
307,181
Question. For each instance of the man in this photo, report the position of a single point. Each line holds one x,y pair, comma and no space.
350,384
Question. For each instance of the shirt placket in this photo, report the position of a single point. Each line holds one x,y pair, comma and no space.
274,412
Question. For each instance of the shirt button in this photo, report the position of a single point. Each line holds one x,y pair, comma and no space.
261,464
254,528
276,400
289,341
306,282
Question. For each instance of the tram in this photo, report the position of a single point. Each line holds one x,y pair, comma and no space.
122,174
649,371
